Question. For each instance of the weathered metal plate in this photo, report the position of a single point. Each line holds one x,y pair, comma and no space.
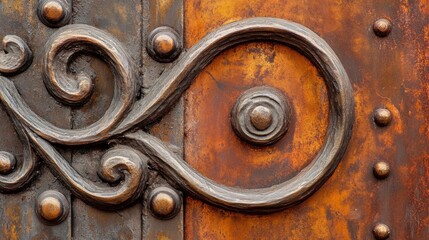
115,18
17,214
385,72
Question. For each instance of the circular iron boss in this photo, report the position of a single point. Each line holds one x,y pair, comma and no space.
261,115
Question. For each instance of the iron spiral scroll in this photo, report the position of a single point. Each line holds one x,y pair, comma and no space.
133,150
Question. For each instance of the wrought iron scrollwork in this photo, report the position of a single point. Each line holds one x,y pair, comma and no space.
22,170
127,162
16,55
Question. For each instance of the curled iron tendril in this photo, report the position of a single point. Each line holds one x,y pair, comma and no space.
128,164
16,55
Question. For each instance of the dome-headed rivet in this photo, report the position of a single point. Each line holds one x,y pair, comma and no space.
382,117
164,44
261,117
381,231
7,162
382,27
381,170
52,207
164,202
53,11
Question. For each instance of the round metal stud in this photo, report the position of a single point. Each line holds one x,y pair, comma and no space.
261,115
381,170
382,27
54,13
382,117
7,162
52,207
164,44
164,203
381,231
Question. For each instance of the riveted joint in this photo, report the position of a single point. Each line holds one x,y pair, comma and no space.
52,207
164,44
382,117
381,170
381,231
54,13
382,27
164,203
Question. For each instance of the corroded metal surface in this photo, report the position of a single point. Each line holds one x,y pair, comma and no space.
387,72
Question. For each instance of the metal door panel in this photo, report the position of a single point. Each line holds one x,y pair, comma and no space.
385,72
328,67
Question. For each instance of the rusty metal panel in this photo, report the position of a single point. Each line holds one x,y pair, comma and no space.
387,72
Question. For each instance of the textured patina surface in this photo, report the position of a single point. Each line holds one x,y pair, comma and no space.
389,72
111,109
